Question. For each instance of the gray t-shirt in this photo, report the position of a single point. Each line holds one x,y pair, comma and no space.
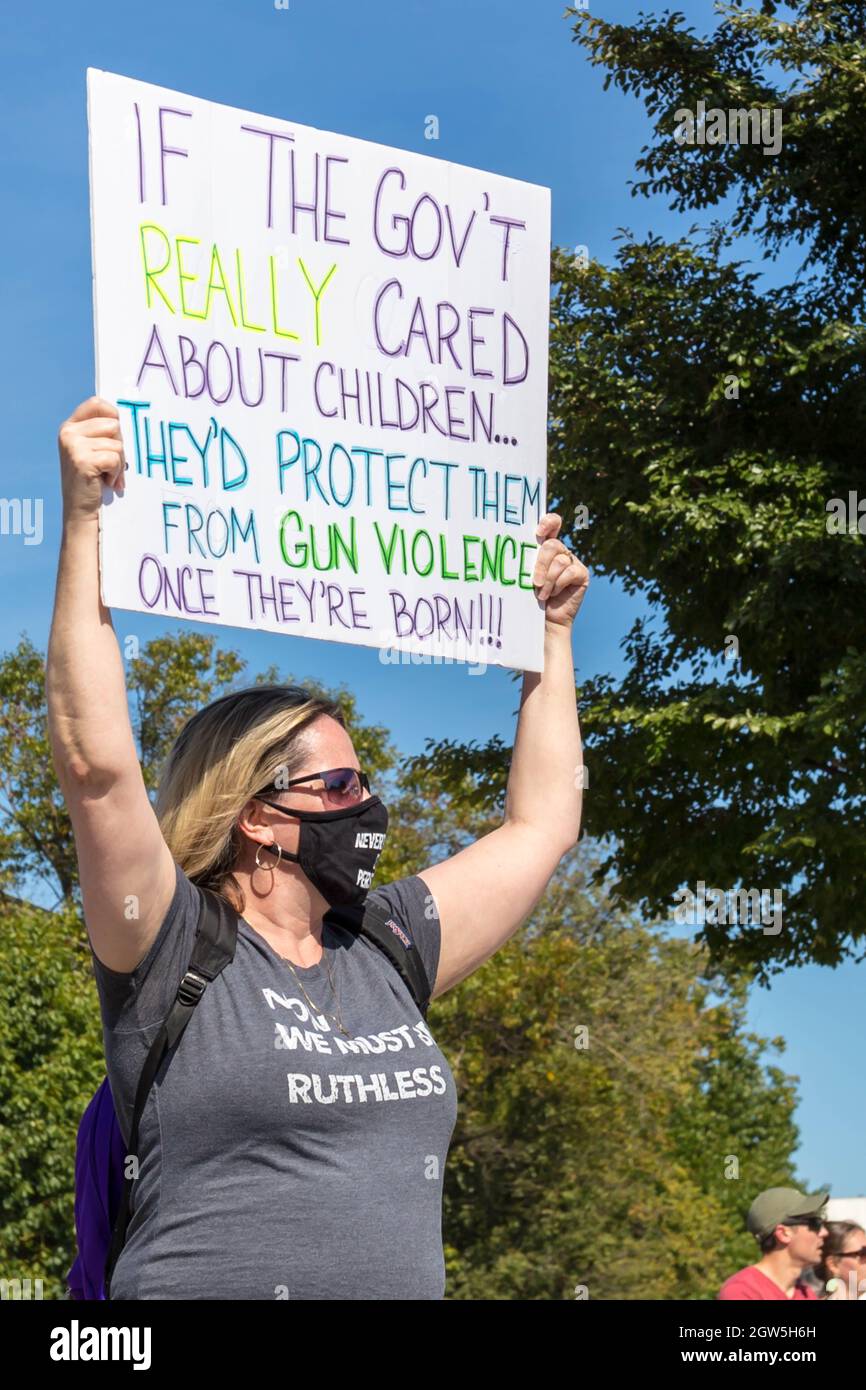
279,1158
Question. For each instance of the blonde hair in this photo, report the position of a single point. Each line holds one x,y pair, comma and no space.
224,755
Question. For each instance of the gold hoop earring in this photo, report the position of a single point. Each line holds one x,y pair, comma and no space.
278,848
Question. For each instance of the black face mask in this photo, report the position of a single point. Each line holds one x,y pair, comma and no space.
337,850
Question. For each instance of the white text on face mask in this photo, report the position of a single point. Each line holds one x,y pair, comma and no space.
364,879
367,839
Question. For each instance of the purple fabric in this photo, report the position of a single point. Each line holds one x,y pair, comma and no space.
100,1153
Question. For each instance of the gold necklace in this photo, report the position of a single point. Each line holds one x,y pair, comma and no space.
317,1007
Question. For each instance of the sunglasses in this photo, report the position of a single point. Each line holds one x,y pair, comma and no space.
851,1254
814,1223
341,786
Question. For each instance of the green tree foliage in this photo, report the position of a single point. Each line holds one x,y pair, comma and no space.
804,58
50,1064
600,1165
703,419
606,1085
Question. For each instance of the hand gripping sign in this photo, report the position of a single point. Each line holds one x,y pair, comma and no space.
330,362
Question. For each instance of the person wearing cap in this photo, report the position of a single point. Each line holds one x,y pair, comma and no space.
789,1228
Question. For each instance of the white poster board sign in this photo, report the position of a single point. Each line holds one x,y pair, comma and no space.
330,362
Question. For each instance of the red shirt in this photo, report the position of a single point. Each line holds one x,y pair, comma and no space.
751,1283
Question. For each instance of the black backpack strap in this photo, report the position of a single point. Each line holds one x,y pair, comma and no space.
213,950
369,920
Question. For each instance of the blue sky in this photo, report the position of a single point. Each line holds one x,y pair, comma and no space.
513,94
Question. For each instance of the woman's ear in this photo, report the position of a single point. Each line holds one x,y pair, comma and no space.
251,823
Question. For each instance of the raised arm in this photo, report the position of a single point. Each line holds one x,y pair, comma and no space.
484,893
126,869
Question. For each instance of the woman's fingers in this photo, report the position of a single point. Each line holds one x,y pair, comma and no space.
98,426
109,460
557,565
548,526
105,456
91,456
573,574
93,406
548,551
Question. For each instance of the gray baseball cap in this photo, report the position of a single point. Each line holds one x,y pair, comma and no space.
778,1204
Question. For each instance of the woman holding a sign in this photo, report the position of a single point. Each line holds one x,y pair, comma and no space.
293,1144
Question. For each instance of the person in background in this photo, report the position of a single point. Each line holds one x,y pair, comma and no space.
789,1228
841,1271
